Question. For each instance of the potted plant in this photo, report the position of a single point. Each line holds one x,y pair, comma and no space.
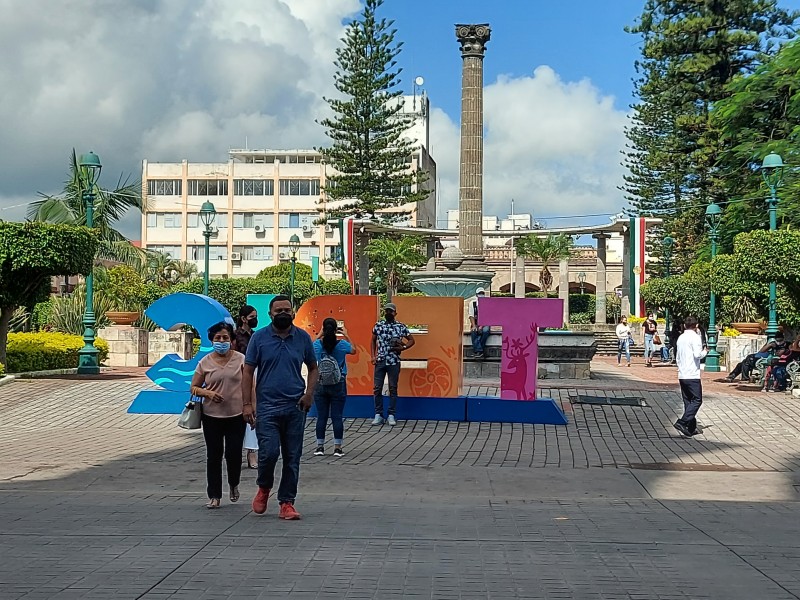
124,293
744,314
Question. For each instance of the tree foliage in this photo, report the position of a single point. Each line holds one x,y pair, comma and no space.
393,258
691,53
30,254
544,249
110,206
370,152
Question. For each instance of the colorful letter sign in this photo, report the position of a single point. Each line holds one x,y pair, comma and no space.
520,319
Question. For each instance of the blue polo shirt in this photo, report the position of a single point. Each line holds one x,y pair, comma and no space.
279,380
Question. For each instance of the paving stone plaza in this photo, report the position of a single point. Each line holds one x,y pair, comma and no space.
97,503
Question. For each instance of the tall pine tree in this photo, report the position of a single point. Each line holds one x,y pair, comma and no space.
692,50
370,152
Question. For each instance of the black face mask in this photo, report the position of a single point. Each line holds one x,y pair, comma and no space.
252,323
282,321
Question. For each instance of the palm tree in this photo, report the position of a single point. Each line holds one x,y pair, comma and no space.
394,258
545,249
110,206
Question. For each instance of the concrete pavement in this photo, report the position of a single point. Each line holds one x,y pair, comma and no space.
96,503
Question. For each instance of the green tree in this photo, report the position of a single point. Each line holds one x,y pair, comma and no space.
393,258
544,249
370,151
692,51
761,115
32,253
110,206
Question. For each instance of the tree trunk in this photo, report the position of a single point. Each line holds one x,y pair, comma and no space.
390,286
5,319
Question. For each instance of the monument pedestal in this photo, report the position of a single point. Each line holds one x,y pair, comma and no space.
127,346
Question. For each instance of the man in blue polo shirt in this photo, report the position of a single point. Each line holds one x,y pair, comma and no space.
282,401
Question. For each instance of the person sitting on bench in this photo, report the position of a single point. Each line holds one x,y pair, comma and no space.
775,347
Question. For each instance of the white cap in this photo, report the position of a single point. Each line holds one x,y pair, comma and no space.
480,291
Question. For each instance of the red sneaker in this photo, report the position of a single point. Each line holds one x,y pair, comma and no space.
289,513
260,501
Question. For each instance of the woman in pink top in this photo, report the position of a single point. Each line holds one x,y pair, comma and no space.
218,380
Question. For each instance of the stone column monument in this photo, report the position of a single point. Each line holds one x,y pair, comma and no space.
473,39
600,284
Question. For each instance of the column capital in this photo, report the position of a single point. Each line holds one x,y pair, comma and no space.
601,236
473,39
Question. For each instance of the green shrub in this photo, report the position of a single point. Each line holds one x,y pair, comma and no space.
302,271
582,303
2,370
44,351
42,314
581,318
334,287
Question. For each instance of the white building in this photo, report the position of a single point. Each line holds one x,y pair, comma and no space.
262,198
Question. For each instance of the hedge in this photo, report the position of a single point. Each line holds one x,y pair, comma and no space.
44,351
2,370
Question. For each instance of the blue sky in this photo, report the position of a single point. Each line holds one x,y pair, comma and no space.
189,79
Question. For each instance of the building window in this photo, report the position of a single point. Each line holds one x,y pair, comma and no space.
173,220
208,187
299,187
220,221
152,220
288,220
254,252
163,187
253,187
193,220
215,253
172,252
250,220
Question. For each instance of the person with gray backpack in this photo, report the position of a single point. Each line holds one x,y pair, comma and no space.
331,392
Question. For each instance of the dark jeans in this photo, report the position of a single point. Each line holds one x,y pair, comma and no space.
330,400
747,365
224,436
280,436
479,338
692,393
381,371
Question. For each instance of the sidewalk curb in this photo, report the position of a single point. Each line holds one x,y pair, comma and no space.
7,379
51,373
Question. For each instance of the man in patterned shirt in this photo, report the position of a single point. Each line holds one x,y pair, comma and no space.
389,338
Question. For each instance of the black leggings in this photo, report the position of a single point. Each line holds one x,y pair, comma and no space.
224,436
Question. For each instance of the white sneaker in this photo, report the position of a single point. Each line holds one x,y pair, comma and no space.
378,420
392,421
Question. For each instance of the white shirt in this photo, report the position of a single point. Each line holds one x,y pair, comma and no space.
623,331
688,354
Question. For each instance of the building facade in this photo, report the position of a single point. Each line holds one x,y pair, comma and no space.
262,198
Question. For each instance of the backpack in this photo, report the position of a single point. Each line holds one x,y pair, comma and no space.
329,371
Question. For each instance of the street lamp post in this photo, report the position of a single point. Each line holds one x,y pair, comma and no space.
207,215
772,172
668,243
581,280
713,220
88,363
294,246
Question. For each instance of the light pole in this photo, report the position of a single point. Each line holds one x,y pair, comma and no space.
772,172
581,280
668,243
294,246
88,363
713,220
207,215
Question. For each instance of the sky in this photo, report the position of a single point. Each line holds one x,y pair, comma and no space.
166,80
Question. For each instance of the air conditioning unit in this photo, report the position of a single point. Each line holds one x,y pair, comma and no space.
282,255
259,228
328,228
236,256
306,227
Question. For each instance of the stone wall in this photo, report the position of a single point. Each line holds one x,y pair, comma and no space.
163,343
127,346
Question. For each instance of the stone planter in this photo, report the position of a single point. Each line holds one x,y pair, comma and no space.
122,317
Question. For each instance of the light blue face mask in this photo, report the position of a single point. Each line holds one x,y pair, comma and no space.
222,347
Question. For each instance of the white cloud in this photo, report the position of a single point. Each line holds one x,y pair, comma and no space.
551,145
172,79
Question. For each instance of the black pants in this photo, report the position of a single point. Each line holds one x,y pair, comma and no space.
382,371
224,436
692,393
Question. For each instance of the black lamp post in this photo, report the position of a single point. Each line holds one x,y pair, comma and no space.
207,215
581,280
294,246
772,172
88,363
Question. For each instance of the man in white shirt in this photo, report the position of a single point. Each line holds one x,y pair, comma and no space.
689,352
